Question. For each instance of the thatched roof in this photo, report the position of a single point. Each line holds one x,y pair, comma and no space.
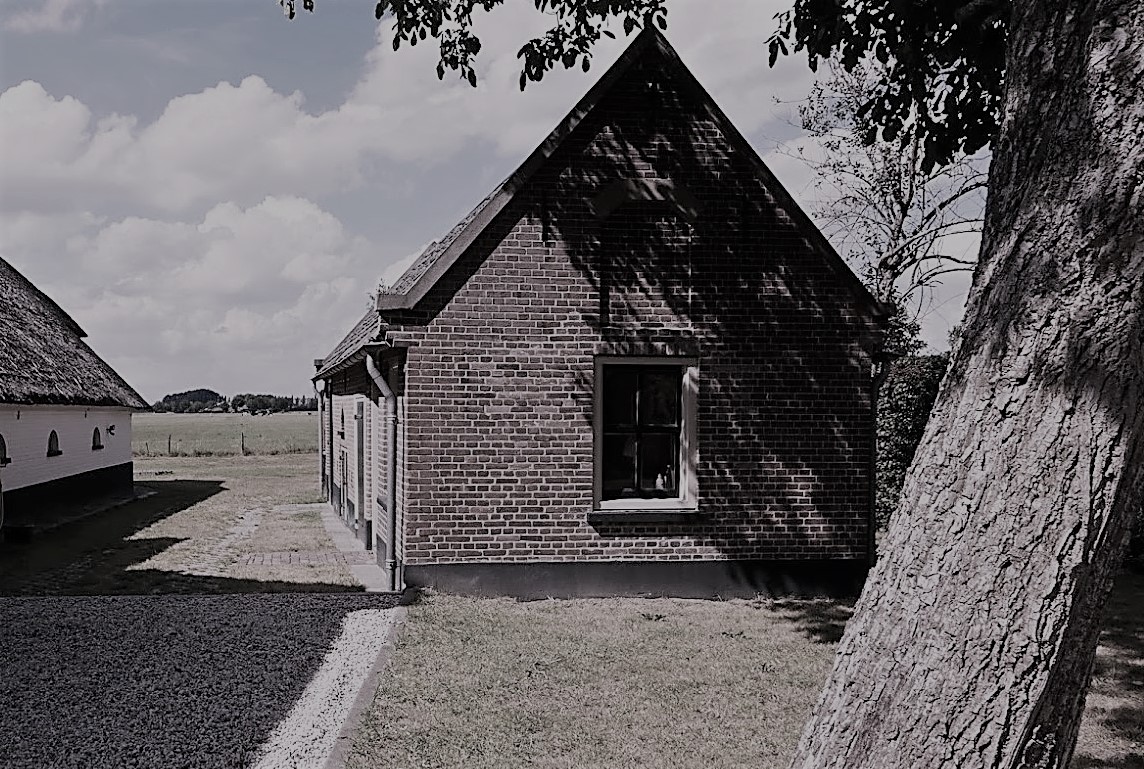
43,358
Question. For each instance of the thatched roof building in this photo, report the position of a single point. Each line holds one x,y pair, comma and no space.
43,358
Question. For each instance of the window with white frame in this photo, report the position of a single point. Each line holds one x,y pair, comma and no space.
646,450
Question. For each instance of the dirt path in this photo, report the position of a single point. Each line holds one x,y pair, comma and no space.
215,525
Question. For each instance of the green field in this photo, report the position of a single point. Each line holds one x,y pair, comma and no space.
206,435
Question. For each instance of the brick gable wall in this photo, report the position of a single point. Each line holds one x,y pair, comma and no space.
499,384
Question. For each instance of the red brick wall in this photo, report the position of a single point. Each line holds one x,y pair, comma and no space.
499,387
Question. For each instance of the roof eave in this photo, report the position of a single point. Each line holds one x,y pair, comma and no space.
357,356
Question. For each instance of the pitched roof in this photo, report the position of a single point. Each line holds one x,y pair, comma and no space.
363,332
435,261
440,255
43,358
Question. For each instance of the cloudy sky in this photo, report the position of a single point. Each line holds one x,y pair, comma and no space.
213,191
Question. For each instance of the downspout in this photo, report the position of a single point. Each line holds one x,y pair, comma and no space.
320,398
359,465
330,445
390,565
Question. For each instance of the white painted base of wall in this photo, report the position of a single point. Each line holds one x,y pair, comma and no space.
25,431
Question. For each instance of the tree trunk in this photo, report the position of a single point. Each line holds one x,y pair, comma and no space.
972,644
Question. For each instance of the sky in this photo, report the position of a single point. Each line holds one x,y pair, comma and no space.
213,191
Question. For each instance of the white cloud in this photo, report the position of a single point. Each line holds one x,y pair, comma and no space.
242,297
202,244
52,16
243,141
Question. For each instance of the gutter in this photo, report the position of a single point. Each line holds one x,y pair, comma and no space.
389,567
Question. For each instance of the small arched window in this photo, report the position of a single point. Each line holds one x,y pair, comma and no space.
342,429
54,445
4,458
96,440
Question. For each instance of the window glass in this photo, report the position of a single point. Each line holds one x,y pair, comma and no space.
96,440
659,397
641,431
620,385
54,444
659,464
4,458
619,469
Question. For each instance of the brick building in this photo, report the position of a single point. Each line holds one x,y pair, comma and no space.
635,367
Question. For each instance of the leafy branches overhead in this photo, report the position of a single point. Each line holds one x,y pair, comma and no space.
579,25
945,60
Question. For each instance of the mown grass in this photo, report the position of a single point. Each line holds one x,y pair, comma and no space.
659,683
605,682
198,435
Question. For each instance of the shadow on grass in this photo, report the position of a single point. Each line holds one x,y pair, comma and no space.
95,555
1119,673
822,620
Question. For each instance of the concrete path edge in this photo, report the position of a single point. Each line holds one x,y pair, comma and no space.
344,742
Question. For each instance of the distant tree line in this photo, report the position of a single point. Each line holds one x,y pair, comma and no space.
251,402
195,401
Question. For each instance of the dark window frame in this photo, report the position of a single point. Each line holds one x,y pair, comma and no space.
641,431
684,504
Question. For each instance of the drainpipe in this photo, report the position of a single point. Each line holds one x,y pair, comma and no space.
330,446
320,399
390,565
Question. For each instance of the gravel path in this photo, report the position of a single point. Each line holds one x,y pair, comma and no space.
166,682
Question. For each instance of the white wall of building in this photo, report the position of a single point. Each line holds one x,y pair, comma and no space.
25,430
345,440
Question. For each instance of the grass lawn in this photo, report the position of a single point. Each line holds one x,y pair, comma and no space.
658,683
599,683
193,435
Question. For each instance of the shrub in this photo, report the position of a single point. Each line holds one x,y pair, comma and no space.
904,403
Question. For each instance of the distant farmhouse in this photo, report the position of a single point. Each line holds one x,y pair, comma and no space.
635,367
65,415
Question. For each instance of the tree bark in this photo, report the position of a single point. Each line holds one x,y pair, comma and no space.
973,641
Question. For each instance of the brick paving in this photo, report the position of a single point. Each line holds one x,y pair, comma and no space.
309,557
